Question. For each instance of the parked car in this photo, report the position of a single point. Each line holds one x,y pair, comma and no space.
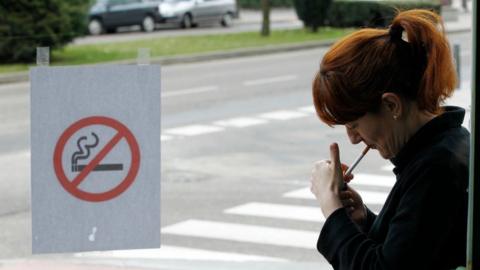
107,15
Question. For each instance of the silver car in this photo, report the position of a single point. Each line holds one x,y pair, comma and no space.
107,15
188,13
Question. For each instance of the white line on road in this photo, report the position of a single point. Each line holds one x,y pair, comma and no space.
368,197
373,180
195,90
388,168
244,233
193,130
282,211
241,122
270,80
177,253
165,137
283,115
10,86
307,109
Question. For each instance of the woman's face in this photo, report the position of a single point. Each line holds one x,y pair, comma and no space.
376,130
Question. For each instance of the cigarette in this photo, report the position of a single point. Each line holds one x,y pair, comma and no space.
350,169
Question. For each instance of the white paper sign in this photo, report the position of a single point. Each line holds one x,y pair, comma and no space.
95,148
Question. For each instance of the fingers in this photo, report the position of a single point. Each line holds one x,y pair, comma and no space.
348,178
335,155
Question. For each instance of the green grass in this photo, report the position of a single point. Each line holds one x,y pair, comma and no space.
183,45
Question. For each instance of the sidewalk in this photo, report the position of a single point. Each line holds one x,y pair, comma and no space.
462,24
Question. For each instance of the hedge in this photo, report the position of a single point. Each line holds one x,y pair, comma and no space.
256,4
354,13
28,24
312,13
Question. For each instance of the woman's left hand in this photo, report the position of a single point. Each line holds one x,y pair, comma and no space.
327,177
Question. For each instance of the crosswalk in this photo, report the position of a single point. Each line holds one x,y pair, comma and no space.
291,208
249,224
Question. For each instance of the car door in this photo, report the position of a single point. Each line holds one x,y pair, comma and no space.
123,12
200,10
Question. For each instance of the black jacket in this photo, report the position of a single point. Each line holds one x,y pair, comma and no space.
423,223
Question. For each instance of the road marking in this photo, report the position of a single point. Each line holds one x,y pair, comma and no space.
193,130
307,109
282,211
244,233
177,253
373,180
240,122
368,197
165,137
16,86
283,115
189,91
270,80
388,168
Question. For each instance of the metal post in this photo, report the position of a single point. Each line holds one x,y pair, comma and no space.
143,56
473,234
456,56
43,56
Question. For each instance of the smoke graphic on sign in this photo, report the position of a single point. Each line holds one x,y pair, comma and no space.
83,153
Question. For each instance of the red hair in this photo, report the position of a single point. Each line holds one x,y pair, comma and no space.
359,68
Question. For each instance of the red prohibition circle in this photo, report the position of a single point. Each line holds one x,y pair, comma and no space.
72,185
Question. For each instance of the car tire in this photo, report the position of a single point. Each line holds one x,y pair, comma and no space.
227,20
148,24
95,27
186,21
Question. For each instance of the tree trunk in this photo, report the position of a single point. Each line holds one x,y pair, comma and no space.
237,12
266,18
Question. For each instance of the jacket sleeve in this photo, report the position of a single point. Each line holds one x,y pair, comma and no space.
425,214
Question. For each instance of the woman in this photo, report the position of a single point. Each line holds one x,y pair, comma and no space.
386,87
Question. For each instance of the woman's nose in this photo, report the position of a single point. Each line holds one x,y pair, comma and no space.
353,136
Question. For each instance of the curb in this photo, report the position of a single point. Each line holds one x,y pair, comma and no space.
181,59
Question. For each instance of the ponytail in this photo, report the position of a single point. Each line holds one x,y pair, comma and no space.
424,30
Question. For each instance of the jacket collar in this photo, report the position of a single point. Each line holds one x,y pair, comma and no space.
451,117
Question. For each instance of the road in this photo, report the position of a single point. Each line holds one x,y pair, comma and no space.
239,138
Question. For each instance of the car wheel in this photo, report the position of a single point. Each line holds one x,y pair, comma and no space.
148,24
95,27
186,21
227,20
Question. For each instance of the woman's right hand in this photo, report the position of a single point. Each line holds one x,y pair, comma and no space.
352,201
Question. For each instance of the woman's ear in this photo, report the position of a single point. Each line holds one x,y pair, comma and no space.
392,103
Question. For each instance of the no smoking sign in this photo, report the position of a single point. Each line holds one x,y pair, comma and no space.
76,135
95,158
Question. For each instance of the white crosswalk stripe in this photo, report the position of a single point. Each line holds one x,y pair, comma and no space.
282,211
241,122
179,253
283,115
362,179
368,197
193,130
307,109
165,137
244,233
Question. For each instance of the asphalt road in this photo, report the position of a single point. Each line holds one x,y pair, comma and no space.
239,138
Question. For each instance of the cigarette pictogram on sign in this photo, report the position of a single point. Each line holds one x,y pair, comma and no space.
84,163
84,153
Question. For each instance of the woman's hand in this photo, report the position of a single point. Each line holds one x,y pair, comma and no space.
326,180
352,201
